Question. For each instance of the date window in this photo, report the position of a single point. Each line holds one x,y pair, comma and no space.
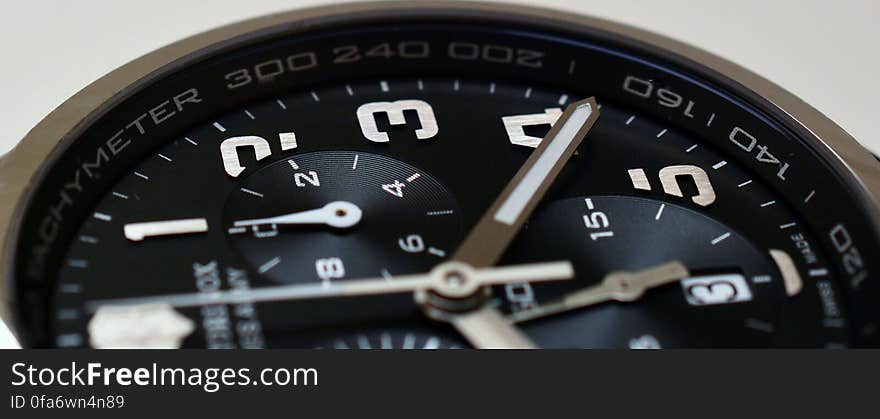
716,289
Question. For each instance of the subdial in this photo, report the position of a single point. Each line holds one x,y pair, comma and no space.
330,215
732,284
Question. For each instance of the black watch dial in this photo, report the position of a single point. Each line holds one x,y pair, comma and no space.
370,149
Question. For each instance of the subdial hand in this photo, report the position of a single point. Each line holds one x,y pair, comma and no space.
617,286
338,214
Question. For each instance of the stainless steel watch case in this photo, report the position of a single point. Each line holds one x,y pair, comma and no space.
23,167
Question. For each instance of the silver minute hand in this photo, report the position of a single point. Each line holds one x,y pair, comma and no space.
489,239
487,327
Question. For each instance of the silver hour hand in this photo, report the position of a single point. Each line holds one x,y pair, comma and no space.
338,214
617,286
486,328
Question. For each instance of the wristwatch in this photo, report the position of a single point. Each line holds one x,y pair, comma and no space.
438,175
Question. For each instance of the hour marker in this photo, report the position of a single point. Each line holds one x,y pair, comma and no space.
385,274
249,114
661,133
491,88
78,263
189,140
562,99
293,164
691,148
443,212
420,84
67,314
719,165
759,325
119,195
836,323
269,264
140,231
630,119
281,104
744,184
288,140
71,288
315,96
809,196
348,90
528,93
762,279
68,340
219,127
141,175
791,278
409,341
164,157
432,343
720,238
639,179
767,204
660,211
789,225
711,118
384,85
355,164
589,203
456,85
103,217
88,239
385,339
237,230
818,272
363,342
254,193
571,67
436,252
413,177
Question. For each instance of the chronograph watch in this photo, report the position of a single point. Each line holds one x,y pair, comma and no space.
438,175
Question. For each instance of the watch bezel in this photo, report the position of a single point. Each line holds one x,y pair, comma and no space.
23,167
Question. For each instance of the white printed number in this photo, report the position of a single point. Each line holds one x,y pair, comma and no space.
311,178
329,268
716,289
366,115
230,146
412,243
669,180
597,222
515,126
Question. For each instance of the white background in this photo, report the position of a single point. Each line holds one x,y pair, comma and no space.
824,51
